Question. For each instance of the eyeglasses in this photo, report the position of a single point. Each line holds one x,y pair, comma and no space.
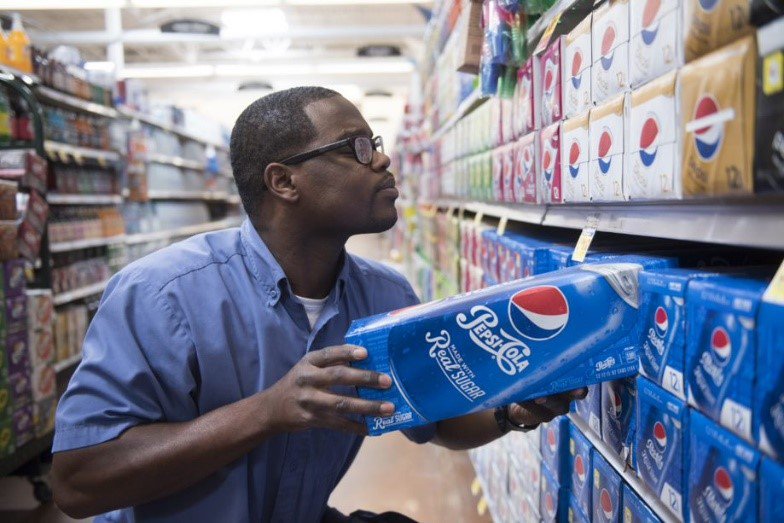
362,146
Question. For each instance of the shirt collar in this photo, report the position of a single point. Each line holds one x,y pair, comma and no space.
268,272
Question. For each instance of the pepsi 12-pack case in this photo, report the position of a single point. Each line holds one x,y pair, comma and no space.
581,453
619,398
510,343
769,394
606,491
634,509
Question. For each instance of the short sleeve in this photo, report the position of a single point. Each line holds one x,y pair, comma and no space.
137,367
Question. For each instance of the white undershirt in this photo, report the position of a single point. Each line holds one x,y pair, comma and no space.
313,308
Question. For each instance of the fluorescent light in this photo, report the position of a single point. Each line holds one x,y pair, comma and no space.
364,66
183,71
32,5
264,70
254,22
99,66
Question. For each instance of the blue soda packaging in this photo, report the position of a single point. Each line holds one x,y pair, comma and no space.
554,447
771,494
769,397
581,453
576,515
721,350
635,510
606,491
561,257
661,446
722,474
553,499
510,343
590,409
619,399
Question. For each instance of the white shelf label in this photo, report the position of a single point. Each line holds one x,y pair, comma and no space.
775,291
586,237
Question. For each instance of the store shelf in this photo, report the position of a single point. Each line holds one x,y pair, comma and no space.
77,294
176,161
234,199
85,244
130,113
628,475
570,11
16,72
83,199
474,100
66,364
46,94
187,195
66,152
182,231
25,453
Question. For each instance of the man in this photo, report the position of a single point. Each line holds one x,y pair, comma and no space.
214,384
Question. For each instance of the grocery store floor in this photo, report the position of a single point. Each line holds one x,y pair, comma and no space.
425,482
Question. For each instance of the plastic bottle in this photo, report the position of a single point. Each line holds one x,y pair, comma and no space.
3,48
19,56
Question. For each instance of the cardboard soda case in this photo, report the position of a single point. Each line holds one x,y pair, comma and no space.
608,144
22,422
554,499
44,416
606,498
552,79
14,282
619,400
550,164
581,453
610,43
634,509
576,82
590,409
575,155
576,515
527,172
516,341
529,80
771,494
769,394
769,158
554,447
718,116
710,24
656,38
20,385
661,446
654,153
16,314
721,350
44,382
723,483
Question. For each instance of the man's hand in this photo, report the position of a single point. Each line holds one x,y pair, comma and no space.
302,399
542,410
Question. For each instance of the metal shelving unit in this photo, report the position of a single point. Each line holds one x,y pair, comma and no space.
49,95
180,232
474,100
83,199
82,292
64,151
85,244
187,195
176,161
134,115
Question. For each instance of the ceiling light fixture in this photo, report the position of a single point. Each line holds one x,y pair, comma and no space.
254,23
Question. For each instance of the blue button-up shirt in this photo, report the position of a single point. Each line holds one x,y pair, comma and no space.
205,323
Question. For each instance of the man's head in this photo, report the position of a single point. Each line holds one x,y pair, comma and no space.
330,193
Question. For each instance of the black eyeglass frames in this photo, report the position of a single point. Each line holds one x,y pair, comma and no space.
363,148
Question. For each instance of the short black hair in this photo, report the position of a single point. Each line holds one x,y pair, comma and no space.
268,130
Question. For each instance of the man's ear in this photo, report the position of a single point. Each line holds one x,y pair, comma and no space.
280,182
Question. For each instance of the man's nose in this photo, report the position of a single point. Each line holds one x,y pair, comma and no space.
380,161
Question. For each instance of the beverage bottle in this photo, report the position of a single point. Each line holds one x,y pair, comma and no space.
3,48
19,47
5,119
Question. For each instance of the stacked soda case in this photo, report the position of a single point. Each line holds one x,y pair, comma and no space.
40,336
642,100
81,223
70,327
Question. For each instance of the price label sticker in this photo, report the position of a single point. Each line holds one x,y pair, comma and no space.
502,225
78,158
775,291
102,161
478,218
584,242
461,213
481,507
63,156
548,33
476,486
450,212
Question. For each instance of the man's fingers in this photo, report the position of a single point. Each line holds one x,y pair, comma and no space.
344,405
530,414
339,375
337,355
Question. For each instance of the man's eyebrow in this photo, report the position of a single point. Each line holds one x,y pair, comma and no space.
348,133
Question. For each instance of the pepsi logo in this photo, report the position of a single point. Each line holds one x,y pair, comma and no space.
708,139
650,26
549,505
551,440
709,5
721,344
550,76
607,504
660,434
723,483
661,321
548,162
608,46
539,313
617,404
649,141
579,468
528,160
605,144
574,159
577,62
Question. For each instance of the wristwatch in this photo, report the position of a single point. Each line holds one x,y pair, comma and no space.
506,425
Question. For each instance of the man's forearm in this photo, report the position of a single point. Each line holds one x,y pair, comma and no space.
467,432
152,461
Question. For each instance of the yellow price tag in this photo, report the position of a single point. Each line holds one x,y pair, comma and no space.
476,486
773,73
78,158
102,161
63,156
502,225
583,244
548,33
481,507
478,218
450,212
775,291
